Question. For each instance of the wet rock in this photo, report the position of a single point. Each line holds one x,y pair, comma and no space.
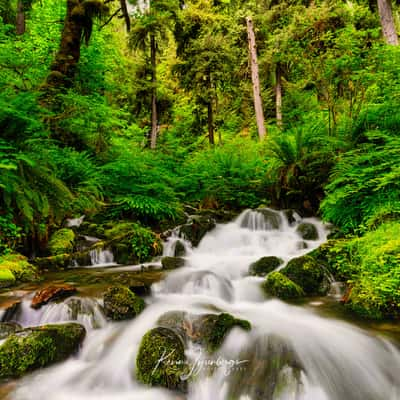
279,285
61,242
272,218
211,329
265,265
38,347
307,273
139,288
178,321
172,262
120,303
161,359
291,216
307,231
196,228
10,309
7,278
179,249
52,293
272,369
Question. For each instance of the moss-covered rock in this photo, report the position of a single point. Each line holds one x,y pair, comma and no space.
61,242
306,272
19,267
161,359
273,219
196,228
120,303
265,265
172,262
278,285
38,347
307,231
211,329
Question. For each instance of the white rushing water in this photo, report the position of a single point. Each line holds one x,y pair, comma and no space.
322,359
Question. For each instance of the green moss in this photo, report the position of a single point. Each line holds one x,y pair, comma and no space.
7,278
265,265
307,231
62,242
279,285
35,348
121,303
214,328
19,266
307,273
172,262
161,359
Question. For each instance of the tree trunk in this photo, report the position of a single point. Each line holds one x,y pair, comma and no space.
63,68
125,14
278,96
255,79
20,23
153,49
210,117
387,22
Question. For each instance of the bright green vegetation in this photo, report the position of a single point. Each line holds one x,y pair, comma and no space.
39,347
279,285
121,303
61,242
161,359
137,126
18,266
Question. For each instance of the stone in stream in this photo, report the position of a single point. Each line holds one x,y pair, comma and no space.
8,328
278,285
273,219
179,249
10,309
120,303
52,293
161,360
309,274
307,231
172,262
38,347
196,228
265,265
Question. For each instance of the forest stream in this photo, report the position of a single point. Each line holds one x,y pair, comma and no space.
307,351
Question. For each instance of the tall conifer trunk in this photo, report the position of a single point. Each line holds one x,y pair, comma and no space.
153,49
20,22
278,96
387,22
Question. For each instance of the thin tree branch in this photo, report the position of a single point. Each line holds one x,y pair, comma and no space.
109,19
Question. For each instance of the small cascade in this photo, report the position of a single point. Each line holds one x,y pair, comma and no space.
75,222
101,257
84,310
176,246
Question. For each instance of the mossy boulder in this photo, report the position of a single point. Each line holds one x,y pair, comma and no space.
161,359
38,347
19,267
265,265
61,242
7,278
211,329
196,228
278,285
273,219
307,231
172,262
120,303
307,273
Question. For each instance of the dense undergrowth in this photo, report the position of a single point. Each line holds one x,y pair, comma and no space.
88,153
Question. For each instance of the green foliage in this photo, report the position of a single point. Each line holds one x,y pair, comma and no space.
61,242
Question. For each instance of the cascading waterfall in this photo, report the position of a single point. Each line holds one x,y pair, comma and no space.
101,257
289,354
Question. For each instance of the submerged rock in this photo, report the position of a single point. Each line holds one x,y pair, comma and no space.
265,265
172,262
38,347
179,249
279,285
161,359
273,219
52,293
211,329
61,242
196,228
8,328
306,272
121,303
307,231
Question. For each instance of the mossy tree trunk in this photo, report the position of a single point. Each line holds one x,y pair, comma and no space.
387,22
153,50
